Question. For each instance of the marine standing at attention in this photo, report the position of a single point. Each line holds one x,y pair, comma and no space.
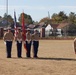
8,39
35,41
75,45
18,40
28,43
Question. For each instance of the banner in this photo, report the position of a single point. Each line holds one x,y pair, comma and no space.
23,31
15,25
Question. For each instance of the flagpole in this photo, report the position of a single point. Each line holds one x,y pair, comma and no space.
48,15
7,11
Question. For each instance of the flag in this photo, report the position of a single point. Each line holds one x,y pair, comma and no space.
15,25
23,31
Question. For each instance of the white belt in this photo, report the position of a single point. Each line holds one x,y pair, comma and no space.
19,40
28,40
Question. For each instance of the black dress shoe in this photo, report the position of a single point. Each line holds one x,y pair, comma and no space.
8,57
28,57
19,57
35,56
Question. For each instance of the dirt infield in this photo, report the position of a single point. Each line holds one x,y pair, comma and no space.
56,57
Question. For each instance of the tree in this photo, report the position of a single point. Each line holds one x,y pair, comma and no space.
58,18
0,18
63,15
55,18
27,19
46,20
8,18
72,30
72,18
5,17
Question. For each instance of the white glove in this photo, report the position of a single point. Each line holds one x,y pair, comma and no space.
5,42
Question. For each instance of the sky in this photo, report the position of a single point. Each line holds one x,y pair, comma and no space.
37,9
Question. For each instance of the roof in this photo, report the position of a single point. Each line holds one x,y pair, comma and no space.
60,26
54,26
31,26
